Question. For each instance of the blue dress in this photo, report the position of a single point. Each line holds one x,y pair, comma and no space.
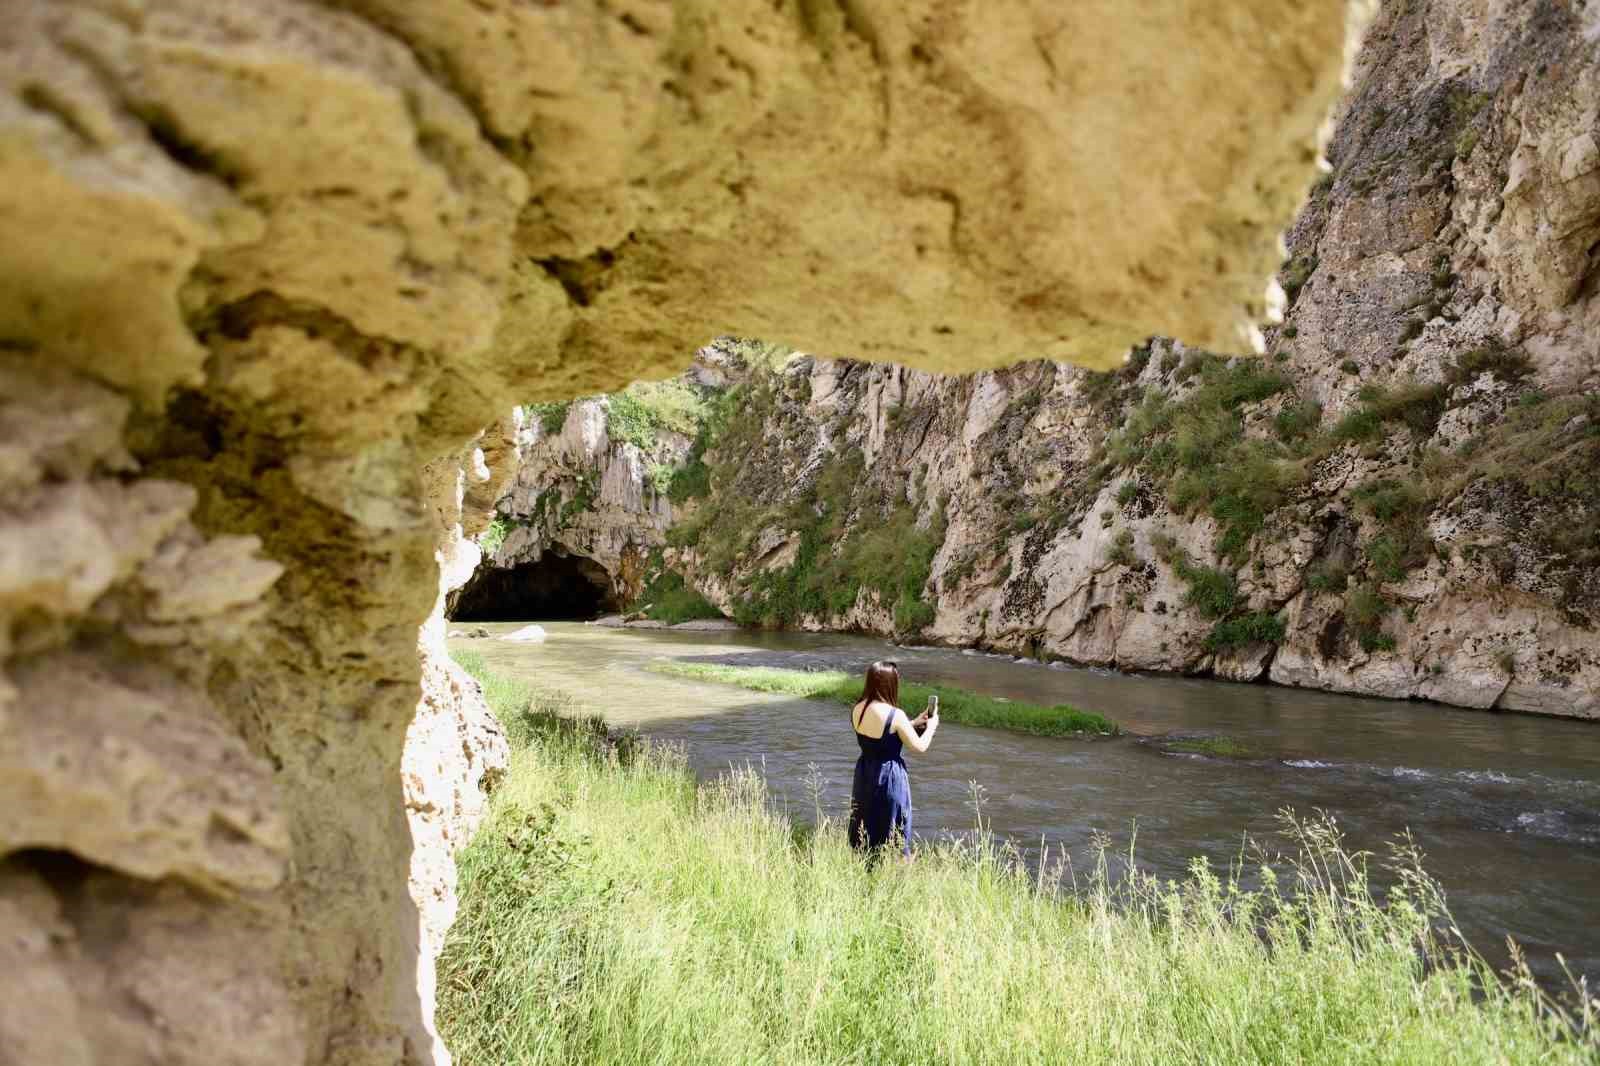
880,800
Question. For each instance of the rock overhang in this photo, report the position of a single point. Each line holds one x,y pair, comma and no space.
277,255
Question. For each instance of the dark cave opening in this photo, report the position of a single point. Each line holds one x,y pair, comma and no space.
555,587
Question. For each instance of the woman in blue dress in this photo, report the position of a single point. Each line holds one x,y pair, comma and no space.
880,800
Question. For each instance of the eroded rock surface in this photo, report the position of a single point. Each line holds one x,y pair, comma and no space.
266,260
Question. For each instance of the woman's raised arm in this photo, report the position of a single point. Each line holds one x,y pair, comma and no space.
917,742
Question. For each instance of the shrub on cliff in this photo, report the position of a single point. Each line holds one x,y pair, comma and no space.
638,413
1196,448
1253,628
668,598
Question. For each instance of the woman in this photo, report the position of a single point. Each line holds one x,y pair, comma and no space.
880,801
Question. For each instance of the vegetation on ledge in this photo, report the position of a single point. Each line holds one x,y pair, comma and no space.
613,911
845,534
668,598
955,704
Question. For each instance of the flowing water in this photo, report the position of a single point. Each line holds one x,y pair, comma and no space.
1506,808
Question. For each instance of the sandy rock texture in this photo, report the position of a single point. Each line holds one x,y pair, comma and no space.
269,265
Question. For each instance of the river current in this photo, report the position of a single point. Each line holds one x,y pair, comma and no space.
1505,808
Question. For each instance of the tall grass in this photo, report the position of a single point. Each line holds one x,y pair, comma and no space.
955,704
613,912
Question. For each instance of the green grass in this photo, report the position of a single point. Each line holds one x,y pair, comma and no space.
614,912
955,704
522,709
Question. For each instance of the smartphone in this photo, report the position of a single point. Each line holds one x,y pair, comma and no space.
933,704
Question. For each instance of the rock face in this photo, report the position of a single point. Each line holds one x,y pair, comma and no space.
454,747
579,495
265,263
1402,501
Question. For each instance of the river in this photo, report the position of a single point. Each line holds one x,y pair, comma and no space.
1506,808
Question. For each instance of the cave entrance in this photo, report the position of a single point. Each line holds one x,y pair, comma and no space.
553,588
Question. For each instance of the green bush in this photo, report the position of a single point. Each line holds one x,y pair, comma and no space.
671,600
1296,272
1388,557
1254,628
1506,364
551,416
1196,448
1377,641
1362,424
638,413
1212,592
1364,607
1327,577
1417,406
490,539
691,480
1298,420
1402,508
583,497
1121,552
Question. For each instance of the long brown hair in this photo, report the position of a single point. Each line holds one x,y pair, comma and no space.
883,683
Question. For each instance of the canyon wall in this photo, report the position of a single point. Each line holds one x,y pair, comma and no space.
265,261
1402,500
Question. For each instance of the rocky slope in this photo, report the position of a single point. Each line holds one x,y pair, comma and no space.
1403,499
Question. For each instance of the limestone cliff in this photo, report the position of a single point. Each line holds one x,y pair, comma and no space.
264,261
1402,500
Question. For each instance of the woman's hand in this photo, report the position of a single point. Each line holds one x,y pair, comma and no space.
917,733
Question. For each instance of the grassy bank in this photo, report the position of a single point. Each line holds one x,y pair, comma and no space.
611,911
955,704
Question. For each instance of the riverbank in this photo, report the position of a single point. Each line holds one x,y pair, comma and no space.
955,704
722,623
613,911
